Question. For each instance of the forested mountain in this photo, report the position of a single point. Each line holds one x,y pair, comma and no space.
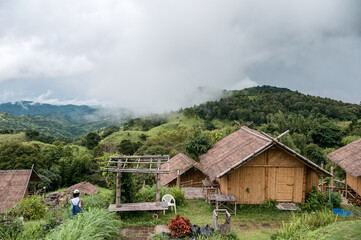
68,121
255,104
43,109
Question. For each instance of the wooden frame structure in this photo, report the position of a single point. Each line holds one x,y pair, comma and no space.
137,164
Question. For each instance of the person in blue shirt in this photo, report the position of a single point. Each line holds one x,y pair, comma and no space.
76,203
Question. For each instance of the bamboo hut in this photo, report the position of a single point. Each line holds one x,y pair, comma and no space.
349,158
255,167
14,186
184,171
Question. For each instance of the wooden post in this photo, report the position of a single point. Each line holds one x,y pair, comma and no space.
118,192
322,178
178,178
346,186
266,194
332,178
157,194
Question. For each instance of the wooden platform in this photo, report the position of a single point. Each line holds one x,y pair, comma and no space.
133,207
287,206
193,192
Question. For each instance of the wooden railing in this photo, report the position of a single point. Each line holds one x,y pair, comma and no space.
191,183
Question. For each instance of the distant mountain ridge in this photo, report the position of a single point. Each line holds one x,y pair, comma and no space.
43,109
54,120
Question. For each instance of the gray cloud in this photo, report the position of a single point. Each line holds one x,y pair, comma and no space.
155,55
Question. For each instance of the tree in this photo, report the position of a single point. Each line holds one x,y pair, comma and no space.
126,147
314,153
326,135
197,143
20,156
91,140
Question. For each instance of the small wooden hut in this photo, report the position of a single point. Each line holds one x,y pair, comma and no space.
349,158
84,187
185,170
255,167
14,186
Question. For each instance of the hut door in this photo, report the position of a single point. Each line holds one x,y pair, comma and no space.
284,184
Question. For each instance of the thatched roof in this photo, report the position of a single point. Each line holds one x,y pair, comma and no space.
13,186
348,158
84,187
240,147
181,162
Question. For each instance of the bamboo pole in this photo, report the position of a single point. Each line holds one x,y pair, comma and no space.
322,178
346,187
118,192
157,195
332,178
178,178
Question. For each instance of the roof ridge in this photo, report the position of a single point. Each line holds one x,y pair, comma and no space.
183,156
257,135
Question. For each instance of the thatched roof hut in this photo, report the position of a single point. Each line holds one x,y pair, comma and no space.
349,159
84,187
248,159
189,170
14,186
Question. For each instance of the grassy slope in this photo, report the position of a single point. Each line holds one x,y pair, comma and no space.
173,121
338,231
19,137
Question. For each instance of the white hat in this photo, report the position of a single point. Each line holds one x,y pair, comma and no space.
76,191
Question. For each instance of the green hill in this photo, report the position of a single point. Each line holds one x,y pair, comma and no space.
42,109
255,104
50,127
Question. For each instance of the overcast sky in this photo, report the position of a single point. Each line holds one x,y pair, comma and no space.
163,55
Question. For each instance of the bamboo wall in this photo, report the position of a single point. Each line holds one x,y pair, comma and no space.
192,174
274,174
354,183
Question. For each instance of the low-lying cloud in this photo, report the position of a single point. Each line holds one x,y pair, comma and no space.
153,56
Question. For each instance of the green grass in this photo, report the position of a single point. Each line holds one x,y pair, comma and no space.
19,137
251,222
174,120
338,231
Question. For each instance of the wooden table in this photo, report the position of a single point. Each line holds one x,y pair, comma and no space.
223,199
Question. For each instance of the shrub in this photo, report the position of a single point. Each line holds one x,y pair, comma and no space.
93,224
316,200
148,194
336,200
179,226
306,222
269,204
30,208
95,201
178,195
11,229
